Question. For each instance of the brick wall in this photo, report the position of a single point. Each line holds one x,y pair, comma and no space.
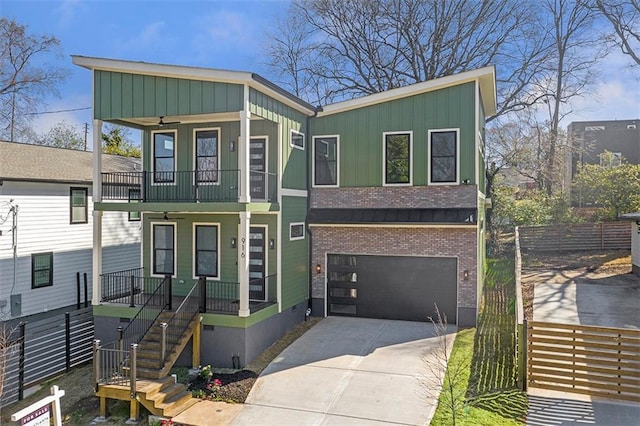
434,196
444,242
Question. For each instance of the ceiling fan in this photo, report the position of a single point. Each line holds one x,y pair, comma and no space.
163,123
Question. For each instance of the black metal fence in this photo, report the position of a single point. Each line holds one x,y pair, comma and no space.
188,186
44,348
129,286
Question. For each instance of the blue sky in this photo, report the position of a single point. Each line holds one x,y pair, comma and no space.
217,34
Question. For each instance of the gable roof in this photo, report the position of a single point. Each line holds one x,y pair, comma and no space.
39,163
196,73
486,78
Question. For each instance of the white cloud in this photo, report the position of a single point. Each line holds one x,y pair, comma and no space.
66,12
149,40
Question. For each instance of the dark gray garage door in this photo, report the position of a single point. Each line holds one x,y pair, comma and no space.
391,287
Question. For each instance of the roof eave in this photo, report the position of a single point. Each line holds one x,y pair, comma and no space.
485,76
195,73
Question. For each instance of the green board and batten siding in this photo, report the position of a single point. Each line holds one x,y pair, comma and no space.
123,96
295,254
361,132
228,256
294,170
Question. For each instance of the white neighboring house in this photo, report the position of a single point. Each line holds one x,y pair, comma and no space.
46,227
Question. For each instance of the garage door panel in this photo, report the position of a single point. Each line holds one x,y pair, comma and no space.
396,287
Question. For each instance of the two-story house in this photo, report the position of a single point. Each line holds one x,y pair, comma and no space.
46,228
257,205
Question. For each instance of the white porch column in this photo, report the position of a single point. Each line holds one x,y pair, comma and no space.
243,149
97,215
243,263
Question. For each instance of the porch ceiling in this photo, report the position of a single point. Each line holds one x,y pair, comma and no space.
182,119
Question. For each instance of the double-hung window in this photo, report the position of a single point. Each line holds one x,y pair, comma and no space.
164,157
397,158
41,270
206,151
163,249
443,151
325,165
78,205
134,197
205,250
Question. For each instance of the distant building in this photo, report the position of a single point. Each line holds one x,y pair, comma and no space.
593,138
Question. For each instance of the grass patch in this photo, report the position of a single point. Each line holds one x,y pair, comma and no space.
486,356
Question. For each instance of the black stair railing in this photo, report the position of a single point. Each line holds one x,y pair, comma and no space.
158,301
174,328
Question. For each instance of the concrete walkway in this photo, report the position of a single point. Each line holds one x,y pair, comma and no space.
350,371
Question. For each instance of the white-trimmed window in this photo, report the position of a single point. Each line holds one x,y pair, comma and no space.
163,253
296,139
444,156
206,250
397,151
326,160
296,231
164,156
206,152
41,270
78,205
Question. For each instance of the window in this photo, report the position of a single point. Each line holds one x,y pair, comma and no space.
443,150
41,270
297,139
163,249
397,158
296,231
164,158
206,250
206,151
78,209
134,197
325,165
610,159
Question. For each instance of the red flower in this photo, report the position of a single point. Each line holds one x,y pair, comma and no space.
217,382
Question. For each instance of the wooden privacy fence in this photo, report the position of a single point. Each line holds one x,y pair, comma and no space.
583,236
596,361
45,348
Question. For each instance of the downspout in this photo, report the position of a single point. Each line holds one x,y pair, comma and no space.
309,188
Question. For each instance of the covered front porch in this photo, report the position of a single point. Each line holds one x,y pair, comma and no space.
134,288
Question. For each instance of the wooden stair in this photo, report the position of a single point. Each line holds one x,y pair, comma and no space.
148,354
164,397
155,390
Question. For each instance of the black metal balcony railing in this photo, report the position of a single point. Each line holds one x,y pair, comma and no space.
186,186
132,288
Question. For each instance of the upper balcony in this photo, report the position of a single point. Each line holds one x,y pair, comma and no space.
207,186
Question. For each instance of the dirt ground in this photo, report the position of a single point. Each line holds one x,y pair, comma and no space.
611,267
80,406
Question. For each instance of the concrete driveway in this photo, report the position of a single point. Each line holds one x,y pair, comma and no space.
351,371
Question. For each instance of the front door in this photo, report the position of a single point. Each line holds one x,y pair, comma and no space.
258,166
257,263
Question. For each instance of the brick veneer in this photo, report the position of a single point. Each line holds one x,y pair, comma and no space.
433,196
445,242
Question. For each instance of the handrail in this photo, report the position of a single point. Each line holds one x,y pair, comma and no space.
145,317
174,328
113,365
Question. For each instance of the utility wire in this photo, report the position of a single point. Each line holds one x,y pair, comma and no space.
54,112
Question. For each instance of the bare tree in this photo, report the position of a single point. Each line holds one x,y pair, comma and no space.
569,71
450,374
624,16
360,47
25,77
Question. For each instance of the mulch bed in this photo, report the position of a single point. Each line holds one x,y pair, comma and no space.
231,388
